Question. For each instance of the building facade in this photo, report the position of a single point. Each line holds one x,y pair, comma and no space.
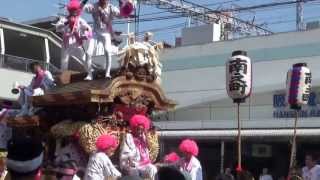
195,77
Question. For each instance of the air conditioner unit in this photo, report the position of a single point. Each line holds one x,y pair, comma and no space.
261,150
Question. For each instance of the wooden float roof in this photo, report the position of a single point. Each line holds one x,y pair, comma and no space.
103,91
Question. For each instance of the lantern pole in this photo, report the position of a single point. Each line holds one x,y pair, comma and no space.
222,157
294,144
239,85
239,167
298,90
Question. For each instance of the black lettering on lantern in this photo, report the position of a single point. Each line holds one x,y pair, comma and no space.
237,84
238,65
307,78
305,97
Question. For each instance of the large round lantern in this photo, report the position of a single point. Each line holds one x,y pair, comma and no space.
238,76
298,85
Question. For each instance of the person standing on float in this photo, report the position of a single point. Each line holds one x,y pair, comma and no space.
75,32
102,13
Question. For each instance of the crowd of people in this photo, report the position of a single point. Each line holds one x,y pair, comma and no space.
24,160
25,157
311,171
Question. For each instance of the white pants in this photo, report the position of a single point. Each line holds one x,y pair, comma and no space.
105,39
148,171
72,50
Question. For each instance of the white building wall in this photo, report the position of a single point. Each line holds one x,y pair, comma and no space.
198,83
8,77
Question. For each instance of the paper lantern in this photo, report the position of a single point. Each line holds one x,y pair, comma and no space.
126,7
298,85
238,76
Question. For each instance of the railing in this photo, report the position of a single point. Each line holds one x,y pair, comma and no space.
266,123
22,64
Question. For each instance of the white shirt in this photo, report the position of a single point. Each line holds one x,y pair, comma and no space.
102,17
3,175
195,170
75,177
265,177
311,174
82,29
100,167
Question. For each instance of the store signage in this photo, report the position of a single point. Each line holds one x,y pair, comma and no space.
282,110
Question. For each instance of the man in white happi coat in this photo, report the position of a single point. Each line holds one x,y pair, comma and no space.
134,153
312,170
265,175
42,81
100,166
102,13
76,32
189,163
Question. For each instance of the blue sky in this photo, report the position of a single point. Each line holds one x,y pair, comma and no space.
278,18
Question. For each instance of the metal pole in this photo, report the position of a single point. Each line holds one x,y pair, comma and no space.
299,14
189,21
128,31
2,47
239,135
2,44
293,147
47,53
222,157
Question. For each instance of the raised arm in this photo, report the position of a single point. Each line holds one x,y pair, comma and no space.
88,8
86,28
115,11
61,24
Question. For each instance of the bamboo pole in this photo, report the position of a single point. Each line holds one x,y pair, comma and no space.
294,145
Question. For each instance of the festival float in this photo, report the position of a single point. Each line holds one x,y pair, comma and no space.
71,115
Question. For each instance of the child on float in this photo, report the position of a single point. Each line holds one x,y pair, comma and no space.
42,81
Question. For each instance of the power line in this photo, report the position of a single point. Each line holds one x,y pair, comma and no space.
150,19
220,3
202,13
291,20
175,26
261,6
220,13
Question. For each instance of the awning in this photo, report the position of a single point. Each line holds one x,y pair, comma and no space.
233,133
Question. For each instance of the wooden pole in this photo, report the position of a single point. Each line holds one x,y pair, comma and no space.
239,136
294,145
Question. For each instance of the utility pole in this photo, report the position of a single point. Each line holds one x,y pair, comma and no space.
299,13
